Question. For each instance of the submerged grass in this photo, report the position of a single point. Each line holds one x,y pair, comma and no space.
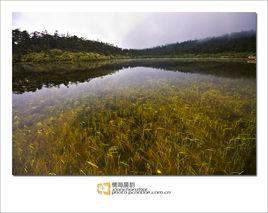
161,128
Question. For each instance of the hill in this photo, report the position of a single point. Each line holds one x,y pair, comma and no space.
244,41
42,47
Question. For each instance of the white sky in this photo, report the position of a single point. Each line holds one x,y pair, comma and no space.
137,30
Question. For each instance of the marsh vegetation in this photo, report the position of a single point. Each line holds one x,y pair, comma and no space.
135,117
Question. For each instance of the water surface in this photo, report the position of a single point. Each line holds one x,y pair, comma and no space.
137,117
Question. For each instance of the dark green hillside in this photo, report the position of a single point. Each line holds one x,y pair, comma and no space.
43,47
23,42
235,42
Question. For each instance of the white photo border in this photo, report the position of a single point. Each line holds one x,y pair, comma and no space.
78,194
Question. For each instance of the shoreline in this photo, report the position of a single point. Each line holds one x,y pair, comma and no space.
246,59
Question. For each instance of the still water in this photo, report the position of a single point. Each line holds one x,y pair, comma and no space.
119,107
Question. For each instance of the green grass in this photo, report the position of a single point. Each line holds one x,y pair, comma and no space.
57,55
197,127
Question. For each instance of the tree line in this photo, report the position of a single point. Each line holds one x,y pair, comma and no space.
234,42
24,42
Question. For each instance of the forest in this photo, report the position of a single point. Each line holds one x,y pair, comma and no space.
42,47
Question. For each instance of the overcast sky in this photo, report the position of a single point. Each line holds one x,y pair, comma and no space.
137,30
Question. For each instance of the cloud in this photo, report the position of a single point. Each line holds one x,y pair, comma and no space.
137,30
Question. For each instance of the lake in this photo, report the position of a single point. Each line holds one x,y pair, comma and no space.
135,117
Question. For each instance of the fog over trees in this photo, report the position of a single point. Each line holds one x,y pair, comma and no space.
25,42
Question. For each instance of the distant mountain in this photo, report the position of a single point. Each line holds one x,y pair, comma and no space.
244,41
23,42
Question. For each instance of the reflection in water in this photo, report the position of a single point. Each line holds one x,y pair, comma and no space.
30,77
135,117
110,84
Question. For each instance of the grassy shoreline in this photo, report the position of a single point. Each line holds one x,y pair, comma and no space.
56,55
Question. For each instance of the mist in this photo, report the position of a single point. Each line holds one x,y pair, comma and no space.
137,30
